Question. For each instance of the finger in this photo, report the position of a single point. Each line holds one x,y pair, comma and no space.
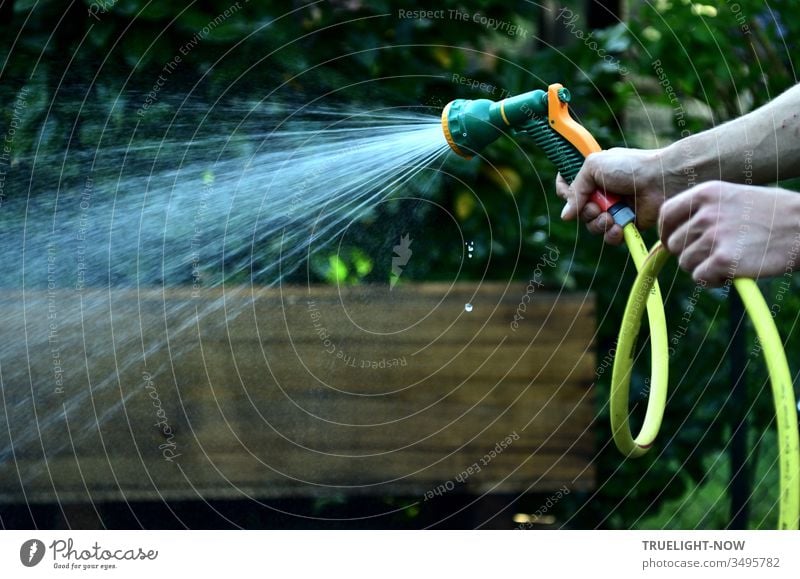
710,272
694,254
601,224
582,187
686,234
562,188
614,235
676,211
590,212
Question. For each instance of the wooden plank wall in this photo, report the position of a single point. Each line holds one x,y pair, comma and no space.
137,395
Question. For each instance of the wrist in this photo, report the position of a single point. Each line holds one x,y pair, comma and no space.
676,166
792,236
665,171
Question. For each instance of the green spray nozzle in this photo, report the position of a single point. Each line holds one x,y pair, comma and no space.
470,125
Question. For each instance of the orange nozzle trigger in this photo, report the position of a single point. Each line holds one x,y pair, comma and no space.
562,122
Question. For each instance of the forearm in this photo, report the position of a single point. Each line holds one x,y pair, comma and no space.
760,147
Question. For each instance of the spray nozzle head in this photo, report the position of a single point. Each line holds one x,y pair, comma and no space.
470,125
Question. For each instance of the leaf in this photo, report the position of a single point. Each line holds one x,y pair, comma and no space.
464,205
506,178
338,270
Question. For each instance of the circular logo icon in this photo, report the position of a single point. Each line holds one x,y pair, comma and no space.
31,552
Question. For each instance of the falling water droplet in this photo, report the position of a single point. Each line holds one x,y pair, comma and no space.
468,307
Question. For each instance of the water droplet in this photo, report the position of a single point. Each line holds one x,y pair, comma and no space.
468,307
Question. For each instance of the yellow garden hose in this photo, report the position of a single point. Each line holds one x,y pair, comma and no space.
644,291
640,297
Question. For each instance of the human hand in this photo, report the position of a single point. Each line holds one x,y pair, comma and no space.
722,230
633,173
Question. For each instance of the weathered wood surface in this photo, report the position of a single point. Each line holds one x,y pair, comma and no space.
293,392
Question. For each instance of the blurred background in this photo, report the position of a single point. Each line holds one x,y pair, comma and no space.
640,74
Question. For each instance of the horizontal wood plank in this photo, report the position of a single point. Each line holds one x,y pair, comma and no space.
294,391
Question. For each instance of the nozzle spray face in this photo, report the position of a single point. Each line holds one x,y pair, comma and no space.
470,125
447,125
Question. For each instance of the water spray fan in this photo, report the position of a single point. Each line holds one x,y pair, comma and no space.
471,125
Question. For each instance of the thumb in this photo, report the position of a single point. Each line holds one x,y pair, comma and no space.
579,192
563,191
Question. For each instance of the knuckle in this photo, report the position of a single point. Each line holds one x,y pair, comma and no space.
699,275
590,212
707,192
673,243
593,227
705,218
685,261
592,160
713,239
616,236
666,210
722,258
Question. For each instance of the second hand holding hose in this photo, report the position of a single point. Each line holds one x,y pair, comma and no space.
470,125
